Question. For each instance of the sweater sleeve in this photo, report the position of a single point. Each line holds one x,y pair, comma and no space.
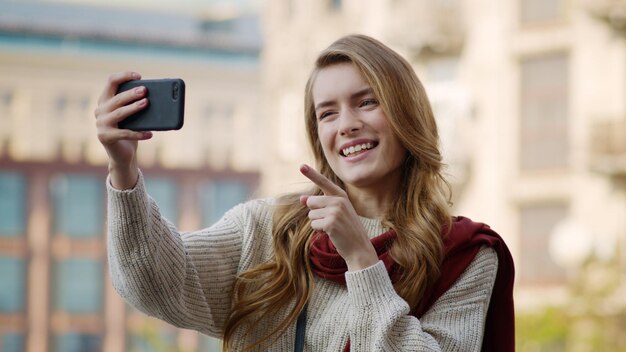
185,279
381,320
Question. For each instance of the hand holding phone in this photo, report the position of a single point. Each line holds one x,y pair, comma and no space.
166,105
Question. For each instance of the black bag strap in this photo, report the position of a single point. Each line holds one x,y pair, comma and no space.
300,330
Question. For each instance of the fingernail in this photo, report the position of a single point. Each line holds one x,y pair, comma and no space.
147,135
304,167
142,102
139,90
135,75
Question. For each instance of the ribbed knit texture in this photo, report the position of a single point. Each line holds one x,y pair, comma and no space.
187,280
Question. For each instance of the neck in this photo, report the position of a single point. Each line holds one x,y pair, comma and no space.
370,204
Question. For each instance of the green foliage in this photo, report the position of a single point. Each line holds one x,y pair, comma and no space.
546,330
593,318
149,338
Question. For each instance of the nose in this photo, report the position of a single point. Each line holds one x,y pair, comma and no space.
349,122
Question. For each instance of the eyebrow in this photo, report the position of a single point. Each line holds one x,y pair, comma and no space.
360,93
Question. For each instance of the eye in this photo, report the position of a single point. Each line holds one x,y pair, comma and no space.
368,102
325,114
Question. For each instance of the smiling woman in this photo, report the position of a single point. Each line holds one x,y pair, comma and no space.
356,137
369,259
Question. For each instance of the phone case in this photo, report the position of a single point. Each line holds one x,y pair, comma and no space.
166,105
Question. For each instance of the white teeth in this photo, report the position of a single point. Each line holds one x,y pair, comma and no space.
357,148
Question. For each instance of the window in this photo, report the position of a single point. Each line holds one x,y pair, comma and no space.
6,97
218,197
12,204
13,265
544,112
12,342
219,26
537,224
61,103
77,206
12,294
165,193
76,342
540,11
78,285
84,103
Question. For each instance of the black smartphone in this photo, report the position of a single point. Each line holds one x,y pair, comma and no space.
166,105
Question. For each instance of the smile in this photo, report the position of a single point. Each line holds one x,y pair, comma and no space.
357,149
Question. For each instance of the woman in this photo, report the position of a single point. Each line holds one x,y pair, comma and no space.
369,260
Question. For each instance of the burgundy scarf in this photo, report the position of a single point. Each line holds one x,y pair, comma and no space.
461,245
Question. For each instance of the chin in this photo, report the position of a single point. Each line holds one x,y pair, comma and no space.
356,180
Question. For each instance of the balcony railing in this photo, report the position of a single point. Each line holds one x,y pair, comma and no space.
433,28
611,12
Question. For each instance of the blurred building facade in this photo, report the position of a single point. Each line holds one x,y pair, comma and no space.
54,60
529,97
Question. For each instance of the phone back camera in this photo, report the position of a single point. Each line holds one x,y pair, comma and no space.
175,91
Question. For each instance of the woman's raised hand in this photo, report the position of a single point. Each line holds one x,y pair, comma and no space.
334,214
120,144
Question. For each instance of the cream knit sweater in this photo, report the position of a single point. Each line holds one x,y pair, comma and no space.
187,280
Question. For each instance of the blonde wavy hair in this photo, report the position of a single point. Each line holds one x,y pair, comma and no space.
418,216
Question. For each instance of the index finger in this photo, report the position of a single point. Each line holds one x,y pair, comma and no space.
326,185
110,89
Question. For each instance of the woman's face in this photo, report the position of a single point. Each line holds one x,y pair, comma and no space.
354,132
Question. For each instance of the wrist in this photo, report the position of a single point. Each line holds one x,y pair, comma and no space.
123,176
362,260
